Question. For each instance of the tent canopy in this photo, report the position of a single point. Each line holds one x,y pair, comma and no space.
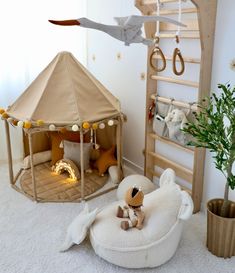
64,93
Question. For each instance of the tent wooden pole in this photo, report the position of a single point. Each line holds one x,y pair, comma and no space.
32,167
9,153
119,148
82,164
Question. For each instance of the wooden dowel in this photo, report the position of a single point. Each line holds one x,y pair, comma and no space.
180,170
176,11
119,148
22,192
9,153
17,175
177,81
158,174
32,167
191,26
183,35
82,164
186,59
175,102
169,142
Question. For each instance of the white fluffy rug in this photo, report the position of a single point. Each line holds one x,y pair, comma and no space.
31,234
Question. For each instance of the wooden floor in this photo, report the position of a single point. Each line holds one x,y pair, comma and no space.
51,186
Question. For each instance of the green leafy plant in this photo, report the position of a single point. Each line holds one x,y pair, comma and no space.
214,129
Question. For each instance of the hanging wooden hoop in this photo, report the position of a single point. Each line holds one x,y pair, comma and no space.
177,53
157,51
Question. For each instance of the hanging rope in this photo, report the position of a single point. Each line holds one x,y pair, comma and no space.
177,52
157,50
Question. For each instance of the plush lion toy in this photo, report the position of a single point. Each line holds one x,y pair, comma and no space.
132,211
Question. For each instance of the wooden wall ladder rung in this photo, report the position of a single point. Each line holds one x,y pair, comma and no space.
174,80
186,59
203,30
175,11
172,143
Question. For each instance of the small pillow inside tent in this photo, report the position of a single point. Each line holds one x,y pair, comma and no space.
57,151
72,151
106,160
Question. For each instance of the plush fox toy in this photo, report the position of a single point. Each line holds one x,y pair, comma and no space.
132,211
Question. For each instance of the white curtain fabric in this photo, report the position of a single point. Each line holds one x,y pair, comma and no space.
29,42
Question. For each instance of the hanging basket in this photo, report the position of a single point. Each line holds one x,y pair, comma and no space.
220,230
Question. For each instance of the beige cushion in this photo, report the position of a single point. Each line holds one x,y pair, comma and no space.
38,158
72,151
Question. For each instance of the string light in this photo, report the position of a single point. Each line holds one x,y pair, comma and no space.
64,165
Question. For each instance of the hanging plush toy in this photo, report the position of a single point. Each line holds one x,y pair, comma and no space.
132,211
176,120
128,29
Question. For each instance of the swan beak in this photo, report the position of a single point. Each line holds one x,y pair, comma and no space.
65,22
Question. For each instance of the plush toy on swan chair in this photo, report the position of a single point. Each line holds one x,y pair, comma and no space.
165,211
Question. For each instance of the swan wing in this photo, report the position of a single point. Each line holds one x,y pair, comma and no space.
121,21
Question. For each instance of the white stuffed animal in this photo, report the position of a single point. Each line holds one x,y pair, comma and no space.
175,121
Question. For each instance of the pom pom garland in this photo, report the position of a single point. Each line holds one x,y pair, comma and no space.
27,124
52,127
111,122
102,125
20,124
40,122
86,125
75,128
5,115
15,122
94,126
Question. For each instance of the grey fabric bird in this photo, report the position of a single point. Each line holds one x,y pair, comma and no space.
128,29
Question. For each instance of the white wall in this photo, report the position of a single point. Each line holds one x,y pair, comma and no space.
122,78
28,43
221,73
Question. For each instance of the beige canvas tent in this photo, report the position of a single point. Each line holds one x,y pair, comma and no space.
65,95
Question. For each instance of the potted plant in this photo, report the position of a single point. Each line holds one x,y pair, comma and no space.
214,129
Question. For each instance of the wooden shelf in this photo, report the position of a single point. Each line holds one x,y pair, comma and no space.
186,59
165,163
172,143
177,81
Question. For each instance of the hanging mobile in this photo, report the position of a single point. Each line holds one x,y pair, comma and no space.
157,50
177,52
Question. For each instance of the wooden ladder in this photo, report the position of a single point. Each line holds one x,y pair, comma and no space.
203,28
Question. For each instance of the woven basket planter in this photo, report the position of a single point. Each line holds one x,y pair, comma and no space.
220,230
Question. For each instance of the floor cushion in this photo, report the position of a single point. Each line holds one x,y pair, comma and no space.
158,240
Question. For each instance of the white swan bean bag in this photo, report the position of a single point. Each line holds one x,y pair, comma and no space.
165,209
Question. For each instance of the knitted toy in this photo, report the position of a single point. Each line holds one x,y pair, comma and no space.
175,121
132,211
